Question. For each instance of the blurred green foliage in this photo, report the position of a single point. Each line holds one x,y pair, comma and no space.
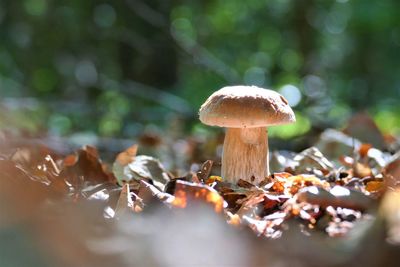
113,67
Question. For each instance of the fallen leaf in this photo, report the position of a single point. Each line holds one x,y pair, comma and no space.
20,196
312,158
84,166
338,196
186,193
245,184
333,143
363,127
127,156
375,186
141,168
150,194
205,170
125,202
392,172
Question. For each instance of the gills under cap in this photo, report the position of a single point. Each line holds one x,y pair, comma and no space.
246,107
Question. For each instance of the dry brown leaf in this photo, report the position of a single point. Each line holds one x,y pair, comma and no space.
205,170
186,193
125,202
85,166
127,156
375,186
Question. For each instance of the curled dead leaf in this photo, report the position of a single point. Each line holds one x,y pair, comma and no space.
186,193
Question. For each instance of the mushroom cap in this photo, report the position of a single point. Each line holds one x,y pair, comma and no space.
246,107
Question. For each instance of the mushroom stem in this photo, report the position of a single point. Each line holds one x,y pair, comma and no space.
245,154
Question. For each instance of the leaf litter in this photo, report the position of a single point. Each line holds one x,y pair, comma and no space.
321,198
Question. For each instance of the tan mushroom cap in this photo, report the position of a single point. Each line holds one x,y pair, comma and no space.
246,107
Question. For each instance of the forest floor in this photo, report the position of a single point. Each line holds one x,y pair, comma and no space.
334,204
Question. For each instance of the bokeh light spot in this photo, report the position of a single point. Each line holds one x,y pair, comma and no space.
104,15
110,125
314,86
292,94
86,73
21,34
388,121
35,7
59,124
44,80
183,31
254,76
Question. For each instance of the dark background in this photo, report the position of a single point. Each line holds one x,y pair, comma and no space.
121,68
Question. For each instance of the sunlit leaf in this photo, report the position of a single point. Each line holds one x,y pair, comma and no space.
186,193
374,186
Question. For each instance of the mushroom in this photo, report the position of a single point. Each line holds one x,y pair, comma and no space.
245,111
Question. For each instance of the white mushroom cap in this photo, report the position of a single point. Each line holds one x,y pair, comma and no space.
246,107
